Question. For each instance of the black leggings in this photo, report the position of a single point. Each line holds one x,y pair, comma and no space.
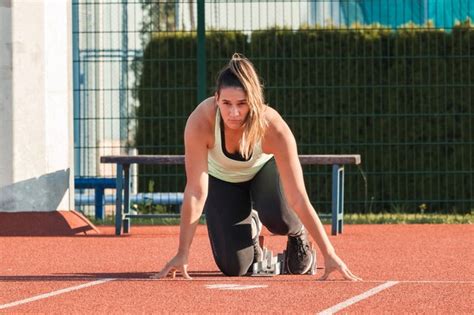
228,208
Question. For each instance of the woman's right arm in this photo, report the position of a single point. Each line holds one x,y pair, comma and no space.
195,192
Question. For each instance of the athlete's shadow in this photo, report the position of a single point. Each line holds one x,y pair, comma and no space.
117,276
137,276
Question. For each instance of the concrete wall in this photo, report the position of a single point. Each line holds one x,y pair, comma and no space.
36,105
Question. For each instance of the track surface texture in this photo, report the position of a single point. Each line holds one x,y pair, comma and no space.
406,269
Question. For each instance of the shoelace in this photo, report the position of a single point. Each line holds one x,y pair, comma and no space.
257,251
301,248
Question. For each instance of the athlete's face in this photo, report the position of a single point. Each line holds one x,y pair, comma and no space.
233,106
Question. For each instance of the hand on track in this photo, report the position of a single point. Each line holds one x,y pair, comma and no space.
334,263
177,264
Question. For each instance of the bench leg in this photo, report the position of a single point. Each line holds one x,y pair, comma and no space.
99,203
126,198
118,200
337,199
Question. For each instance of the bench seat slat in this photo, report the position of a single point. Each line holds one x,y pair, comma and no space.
179,159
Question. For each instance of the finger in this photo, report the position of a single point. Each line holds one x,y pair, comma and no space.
173,274
163,273
325,275
185,273
349,275
354,276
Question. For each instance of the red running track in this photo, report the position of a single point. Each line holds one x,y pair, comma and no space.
406,269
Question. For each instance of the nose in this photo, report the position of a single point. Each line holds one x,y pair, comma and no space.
234,111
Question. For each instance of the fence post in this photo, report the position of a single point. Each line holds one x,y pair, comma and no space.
201,51
123,81
76,85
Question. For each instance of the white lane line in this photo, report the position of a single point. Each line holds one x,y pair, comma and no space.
402,281
358,298
435,281
236,287
311,281
54,293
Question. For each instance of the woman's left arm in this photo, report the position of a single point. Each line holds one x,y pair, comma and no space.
280,141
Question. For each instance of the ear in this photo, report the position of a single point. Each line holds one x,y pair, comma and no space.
216,96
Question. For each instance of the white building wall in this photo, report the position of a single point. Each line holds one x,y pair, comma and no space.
6,96
35,105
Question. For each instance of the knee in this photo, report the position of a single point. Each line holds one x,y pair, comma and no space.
234,265
235,269
278,228
281,222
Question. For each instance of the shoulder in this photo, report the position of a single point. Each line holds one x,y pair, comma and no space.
200,124
275,123
204,113
277,134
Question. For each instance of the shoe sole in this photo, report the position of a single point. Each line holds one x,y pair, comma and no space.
305,271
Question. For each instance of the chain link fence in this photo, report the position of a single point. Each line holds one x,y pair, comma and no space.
390,80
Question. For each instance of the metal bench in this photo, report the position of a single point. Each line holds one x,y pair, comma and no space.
99,184
122,205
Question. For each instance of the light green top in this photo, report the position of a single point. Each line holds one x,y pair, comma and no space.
229,170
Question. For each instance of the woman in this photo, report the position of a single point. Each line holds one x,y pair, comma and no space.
241,155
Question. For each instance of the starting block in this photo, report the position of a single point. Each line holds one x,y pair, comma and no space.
271,265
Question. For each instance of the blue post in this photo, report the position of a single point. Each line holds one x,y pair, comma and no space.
340,218
118,202
337,199
98,184
99,203
126,201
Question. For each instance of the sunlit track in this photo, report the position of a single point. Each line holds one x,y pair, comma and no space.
53,293
78,274
217,279
315,281
385,284
358,298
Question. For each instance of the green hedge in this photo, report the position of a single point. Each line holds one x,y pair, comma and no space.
402,99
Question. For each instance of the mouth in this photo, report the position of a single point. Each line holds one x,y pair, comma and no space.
234,123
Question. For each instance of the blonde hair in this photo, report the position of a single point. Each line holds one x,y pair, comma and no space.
241,73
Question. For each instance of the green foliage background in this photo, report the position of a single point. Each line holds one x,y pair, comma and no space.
402,99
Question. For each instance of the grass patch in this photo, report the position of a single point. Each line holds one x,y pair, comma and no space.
407,218
353,218
139,221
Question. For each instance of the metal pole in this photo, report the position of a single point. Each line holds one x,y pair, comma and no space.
126,198
201,51
98,84
118,200
124,78
76,85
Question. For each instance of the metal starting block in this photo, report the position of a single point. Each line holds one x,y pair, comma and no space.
268,267
275,265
